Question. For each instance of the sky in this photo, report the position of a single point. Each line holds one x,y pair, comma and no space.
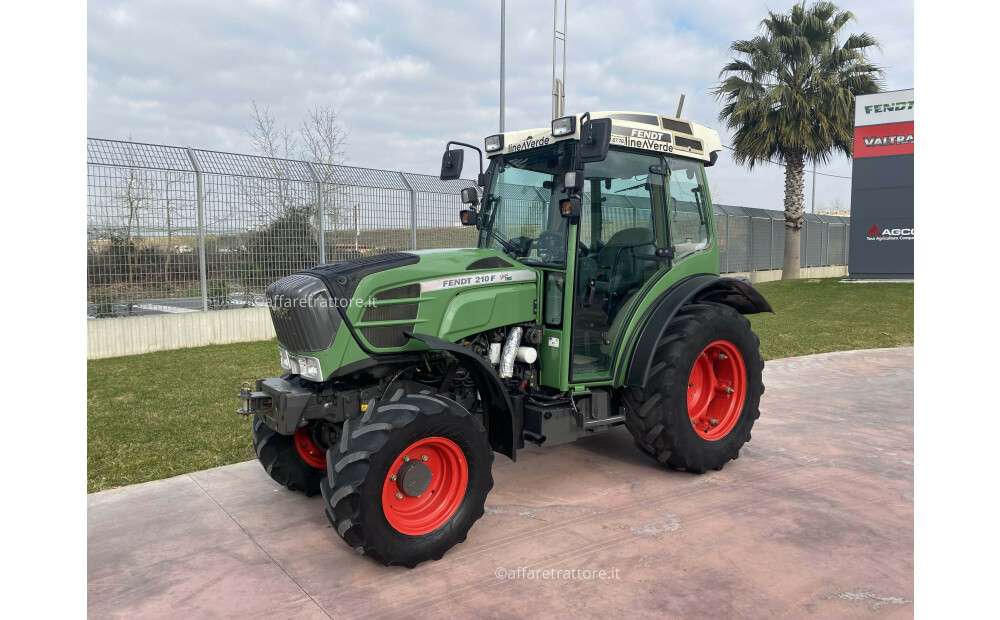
406,76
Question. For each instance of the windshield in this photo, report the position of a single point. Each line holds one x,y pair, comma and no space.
521,210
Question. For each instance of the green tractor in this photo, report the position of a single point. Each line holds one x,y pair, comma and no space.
593,299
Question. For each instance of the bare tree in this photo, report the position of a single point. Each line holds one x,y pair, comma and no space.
324,139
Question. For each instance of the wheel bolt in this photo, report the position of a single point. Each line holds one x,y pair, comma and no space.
392,477
729,390
406,459
423,457
713,422
723,356
399,496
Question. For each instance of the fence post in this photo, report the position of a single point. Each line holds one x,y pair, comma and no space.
320,216
770,241
413,211
729,248
826,253
749,245
200,188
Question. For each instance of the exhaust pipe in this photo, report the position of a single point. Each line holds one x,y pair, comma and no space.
510,352
533,437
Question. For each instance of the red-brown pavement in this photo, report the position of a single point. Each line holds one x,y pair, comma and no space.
814,519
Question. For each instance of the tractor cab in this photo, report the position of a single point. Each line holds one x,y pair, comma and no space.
603,206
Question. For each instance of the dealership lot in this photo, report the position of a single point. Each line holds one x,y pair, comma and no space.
815,517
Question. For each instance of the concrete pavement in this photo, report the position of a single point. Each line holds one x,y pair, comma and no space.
814,519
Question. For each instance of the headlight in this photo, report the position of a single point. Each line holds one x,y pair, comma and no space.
563,126
309,368
494,143
285,363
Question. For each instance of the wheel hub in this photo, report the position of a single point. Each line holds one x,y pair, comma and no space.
414,478
424,486
716,390
312,454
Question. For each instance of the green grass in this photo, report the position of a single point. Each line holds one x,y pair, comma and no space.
818,316
163,414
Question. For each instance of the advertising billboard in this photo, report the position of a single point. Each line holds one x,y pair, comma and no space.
881,242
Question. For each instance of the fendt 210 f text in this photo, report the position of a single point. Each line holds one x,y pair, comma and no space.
593,299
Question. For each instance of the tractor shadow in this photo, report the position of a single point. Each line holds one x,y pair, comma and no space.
617,445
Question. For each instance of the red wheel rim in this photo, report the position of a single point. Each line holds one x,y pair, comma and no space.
313,455
433,507
717,389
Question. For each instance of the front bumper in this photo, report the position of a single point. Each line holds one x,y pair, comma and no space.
286,405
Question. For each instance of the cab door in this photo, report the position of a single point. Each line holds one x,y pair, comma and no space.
621,228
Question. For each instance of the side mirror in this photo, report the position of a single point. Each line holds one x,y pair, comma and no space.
470,196
573,181
595,137
451,164
468,217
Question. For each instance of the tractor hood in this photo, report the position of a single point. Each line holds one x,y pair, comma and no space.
448,294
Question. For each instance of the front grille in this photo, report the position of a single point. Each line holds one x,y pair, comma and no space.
410,291
386,337
398,312
391,336
304,313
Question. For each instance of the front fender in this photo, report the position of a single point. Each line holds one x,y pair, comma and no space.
737,293
499,420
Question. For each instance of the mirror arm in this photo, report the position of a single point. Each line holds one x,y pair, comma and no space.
479,180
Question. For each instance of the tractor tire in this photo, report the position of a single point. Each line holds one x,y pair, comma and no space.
703,391
405,511
292,461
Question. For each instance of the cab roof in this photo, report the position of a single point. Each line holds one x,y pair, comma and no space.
638,130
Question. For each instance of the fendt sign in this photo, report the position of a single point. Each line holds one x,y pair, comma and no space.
881,243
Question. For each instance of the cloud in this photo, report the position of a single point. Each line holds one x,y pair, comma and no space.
407,76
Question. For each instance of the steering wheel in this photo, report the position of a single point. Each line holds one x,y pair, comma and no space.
523,245
551,246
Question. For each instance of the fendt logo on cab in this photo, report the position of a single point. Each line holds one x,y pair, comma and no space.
645,133
889,234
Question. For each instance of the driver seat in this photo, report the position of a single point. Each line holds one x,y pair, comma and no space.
629,272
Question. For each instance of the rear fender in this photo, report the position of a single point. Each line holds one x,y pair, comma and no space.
737,293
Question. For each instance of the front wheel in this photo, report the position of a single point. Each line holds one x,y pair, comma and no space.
293,461
406,482
703,390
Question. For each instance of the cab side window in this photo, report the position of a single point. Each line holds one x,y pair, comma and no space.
688,209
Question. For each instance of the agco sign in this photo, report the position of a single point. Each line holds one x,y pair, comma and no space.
889,234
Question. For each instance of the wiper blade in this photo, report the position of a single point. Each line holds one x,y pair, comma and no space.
633,187
508,247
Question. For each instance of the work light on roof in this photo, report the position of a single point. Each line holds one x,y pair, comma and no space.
494,143
564,126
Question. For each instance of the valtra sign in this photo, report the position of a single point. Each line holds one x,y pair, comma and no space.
883,124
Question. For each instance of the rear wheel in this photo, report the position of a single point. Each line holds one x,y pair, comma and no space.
295,462
406,482
703,392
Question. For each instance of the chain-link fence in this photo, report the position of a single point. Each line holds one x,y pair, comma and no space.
754,239
174,229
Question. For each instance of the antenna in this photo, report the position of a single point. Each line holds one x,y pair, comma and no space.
503,35
559,86
680,106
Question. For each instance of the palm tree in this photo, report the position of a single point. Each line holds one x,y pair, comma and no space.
789,95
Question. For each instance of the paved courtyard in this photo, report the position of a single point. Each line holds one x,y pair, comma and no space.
814,519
